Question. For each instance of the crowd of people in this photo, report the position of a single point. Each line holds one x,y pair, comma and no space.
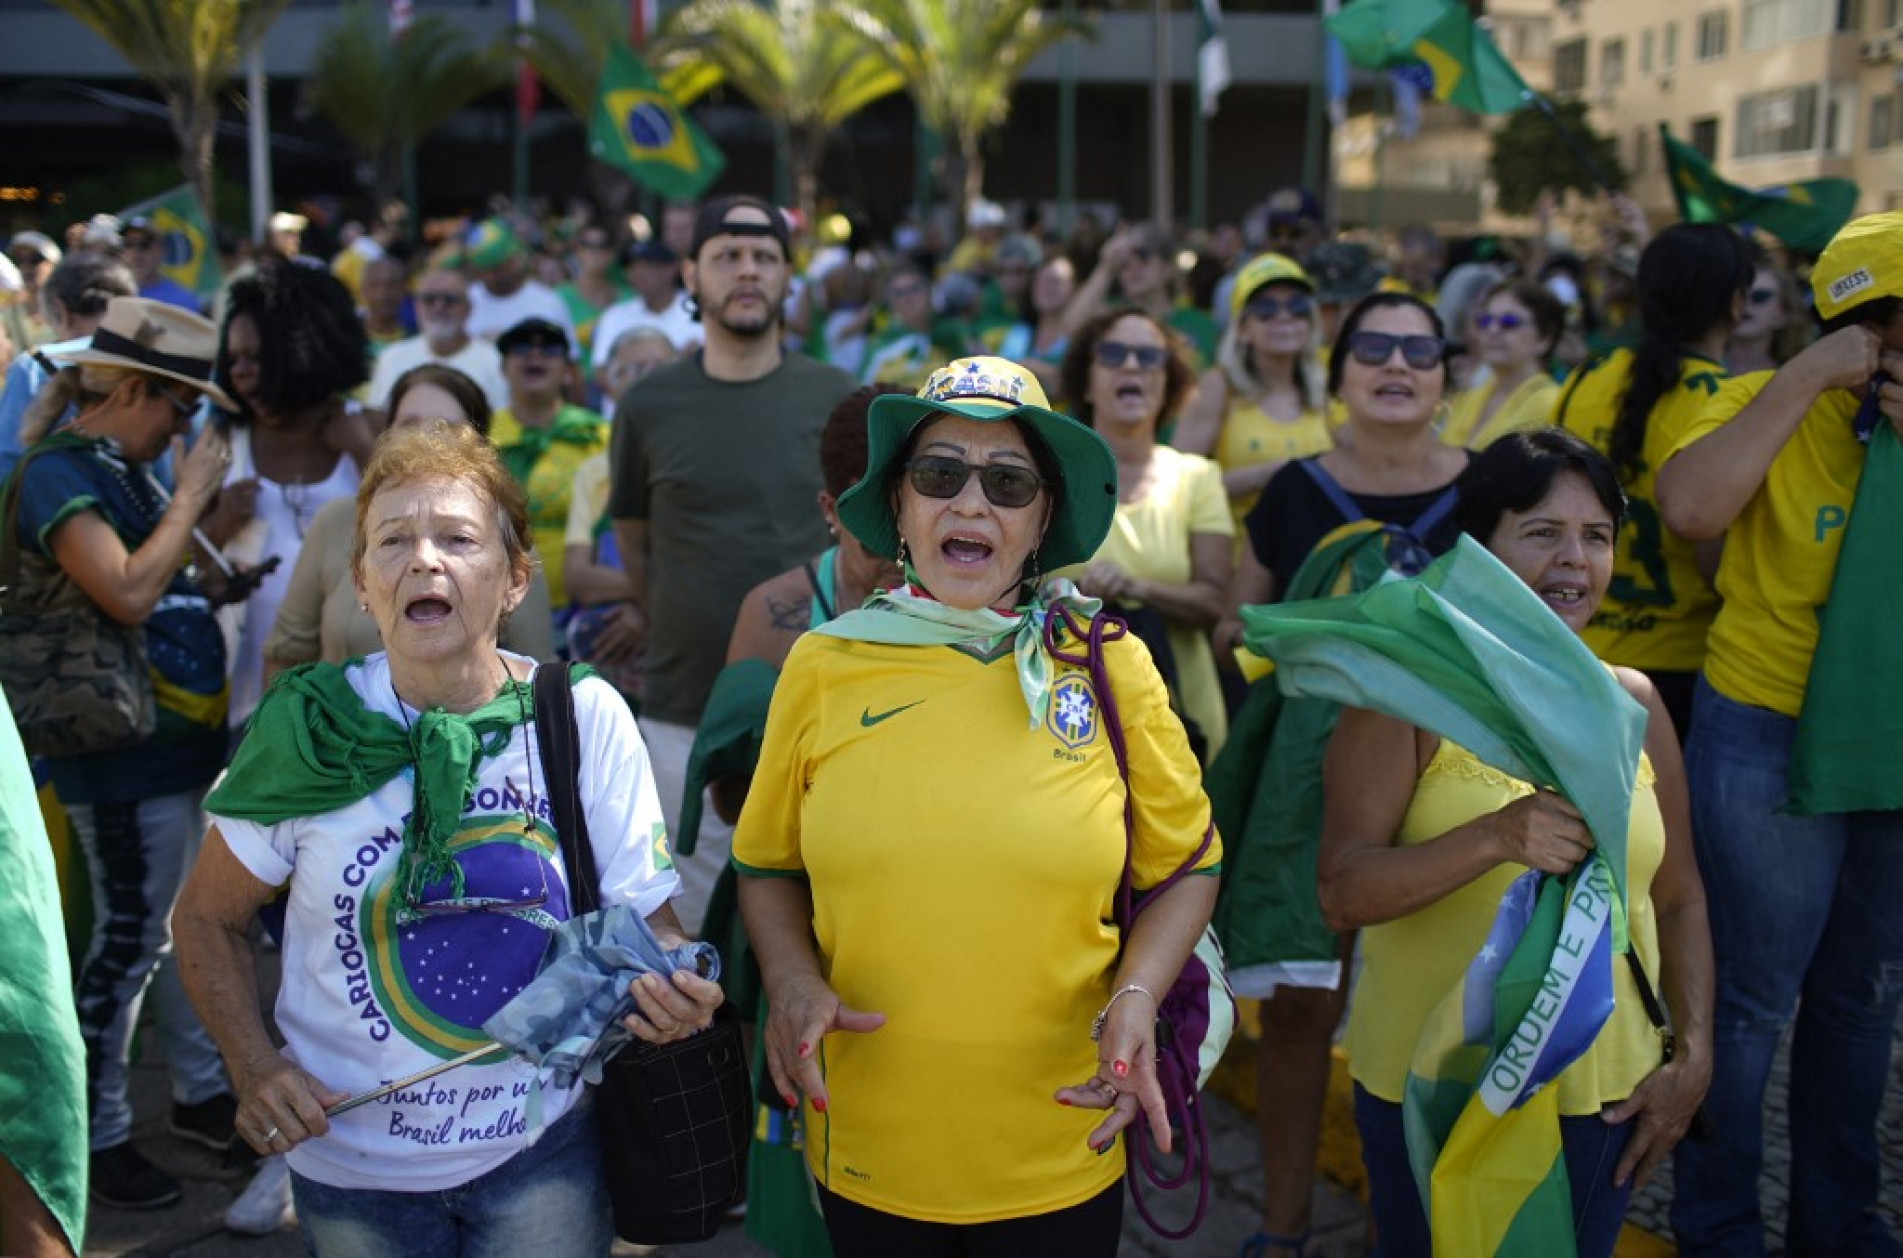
825,512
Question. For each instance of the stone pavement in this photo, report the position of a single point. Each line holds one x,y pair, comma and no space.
193,1229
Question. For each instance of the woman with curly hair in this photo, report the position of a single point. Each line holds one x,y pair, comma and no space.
290,350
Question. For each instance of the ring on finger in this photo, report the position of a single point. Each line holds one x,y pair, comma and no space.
271,1135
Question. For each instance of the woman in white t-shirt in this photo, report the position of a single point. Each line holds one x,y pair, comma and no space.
401,802
290,350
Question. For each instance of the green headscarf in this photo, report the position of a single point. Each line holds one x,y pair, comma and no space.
313,747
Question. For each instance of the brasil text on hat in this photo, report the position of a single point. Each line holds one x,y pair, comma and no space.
157,338
989,390
1262,270
1861,263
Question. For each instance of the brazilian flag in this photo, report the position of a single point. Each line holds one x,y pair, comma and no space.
643,130
1465,67
184,238
1803,215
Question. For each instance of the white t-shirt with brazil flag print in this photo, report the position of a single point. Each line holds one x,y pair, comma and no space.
963,867
367,1000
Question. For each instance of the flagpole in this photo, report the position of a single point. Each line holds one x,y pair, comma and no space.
1579,152
1162,208
259,138
1067,120
1312,122
524,103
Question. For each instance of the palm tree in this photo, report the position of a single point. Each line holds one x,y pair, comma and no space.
961,59
569,61
188,50
805,72
385,94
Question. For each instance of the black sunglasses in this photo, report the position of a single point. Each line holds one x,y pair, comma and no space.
1295,306
538,345
1373,349
1759,296
1114,354
1005,485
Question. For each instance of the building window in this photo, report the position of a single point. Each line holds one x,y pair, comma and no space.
1641,149
1612,63
1668,55
1849,15
1892,12
1705,138
1712,32
1783,121
1882,116
1840,115
1569,66
1771,22
1646,42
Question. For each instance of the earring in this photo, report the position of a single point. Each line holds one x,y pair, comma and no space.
903,558
1037,570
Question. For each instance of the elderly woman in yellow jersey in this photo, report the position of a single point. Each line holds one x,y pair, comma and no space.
1420,840
1795,799
935,836
1516,329
1634,405
1265,401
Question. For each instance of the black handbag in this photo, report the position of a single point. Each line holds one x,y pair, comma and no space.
673,1119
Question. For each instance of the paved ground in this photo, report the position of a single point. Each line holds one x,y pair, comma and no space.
193,1229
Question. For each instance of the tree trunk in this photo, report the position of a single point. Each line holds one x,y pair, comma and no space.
195,123
808,149
974,189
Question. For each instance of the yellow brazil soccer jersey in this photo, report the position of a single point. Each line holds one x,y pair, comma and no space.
1781,551
1659,607
963,866
1530,405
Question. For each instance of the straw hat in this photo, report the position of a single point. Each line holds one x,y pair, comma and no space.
159,339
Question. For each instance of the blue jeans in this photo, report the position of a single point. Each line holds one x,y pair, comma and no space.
550,1200
1590,1145
1801,907
137,856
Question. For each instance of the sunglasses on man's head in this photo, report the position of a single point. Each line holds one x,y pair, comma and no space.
1295,306
1114,354
1486,321
1005,484
1373,349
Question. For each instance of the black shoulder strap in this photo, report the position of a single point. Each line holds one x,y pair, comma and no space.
559,741
1437,510
1332,490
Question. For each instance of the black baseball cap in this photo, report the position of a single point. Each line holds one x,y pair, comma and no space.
653,250
532,330
712,221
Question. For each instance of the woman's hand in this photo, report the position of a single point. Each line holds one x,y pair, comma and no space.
280,1105
1541,831
1125,1081
198,473
619,638
672,1009
801,1011
237,503
1107,581
1665,1103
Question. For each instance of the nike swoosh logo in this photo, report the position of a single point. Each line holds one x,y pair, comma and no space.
868,720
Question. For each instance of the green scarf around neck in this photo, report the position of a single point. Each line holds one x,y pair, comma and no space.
313,747
909,616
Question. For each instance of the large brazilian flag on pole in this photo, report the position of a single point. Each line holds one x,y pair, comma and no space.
640,128
185,239
1468,652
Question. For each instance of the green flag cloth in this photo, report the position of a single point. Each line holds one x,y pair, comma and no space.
1468,652
43,1084
1803,215
312,747
185,239
643,130
1468,68
727,740
1265,797
1851,724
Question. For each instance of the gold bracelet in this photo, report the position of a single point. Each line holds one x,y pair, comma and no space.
1103,1014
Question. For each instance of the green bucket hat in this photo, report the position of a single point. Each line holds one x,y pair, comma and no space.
492,243
989,390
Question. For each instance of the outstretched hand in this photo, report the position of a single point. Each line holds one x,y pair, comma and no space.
803,1011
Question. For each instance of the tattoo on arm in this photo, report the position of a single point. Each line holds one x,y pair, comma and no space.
794,614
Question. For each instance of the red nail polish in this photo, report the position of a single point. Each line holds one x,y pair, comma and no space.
1120,1069
792,1102
819,1105
1062,1101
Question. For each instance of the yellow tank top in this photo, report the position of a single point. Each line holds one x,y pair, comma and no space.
1249,437
1409,964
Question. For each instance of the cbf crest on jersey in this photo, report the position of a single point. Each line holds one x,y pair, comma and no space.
1073,714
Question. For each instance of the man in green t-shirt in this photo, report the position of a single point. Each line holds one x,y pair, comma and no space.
715,486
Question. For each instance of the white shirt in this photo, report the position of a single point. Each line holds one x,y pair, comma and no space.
479,360
366,1000
490,316
673,321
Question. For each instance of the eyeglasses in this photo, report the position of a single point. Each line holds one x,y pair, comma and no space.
1759,296
1505,322
1373,349
1005,485
524,348
480,903
440,299
1114,354
185,407
1295,306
